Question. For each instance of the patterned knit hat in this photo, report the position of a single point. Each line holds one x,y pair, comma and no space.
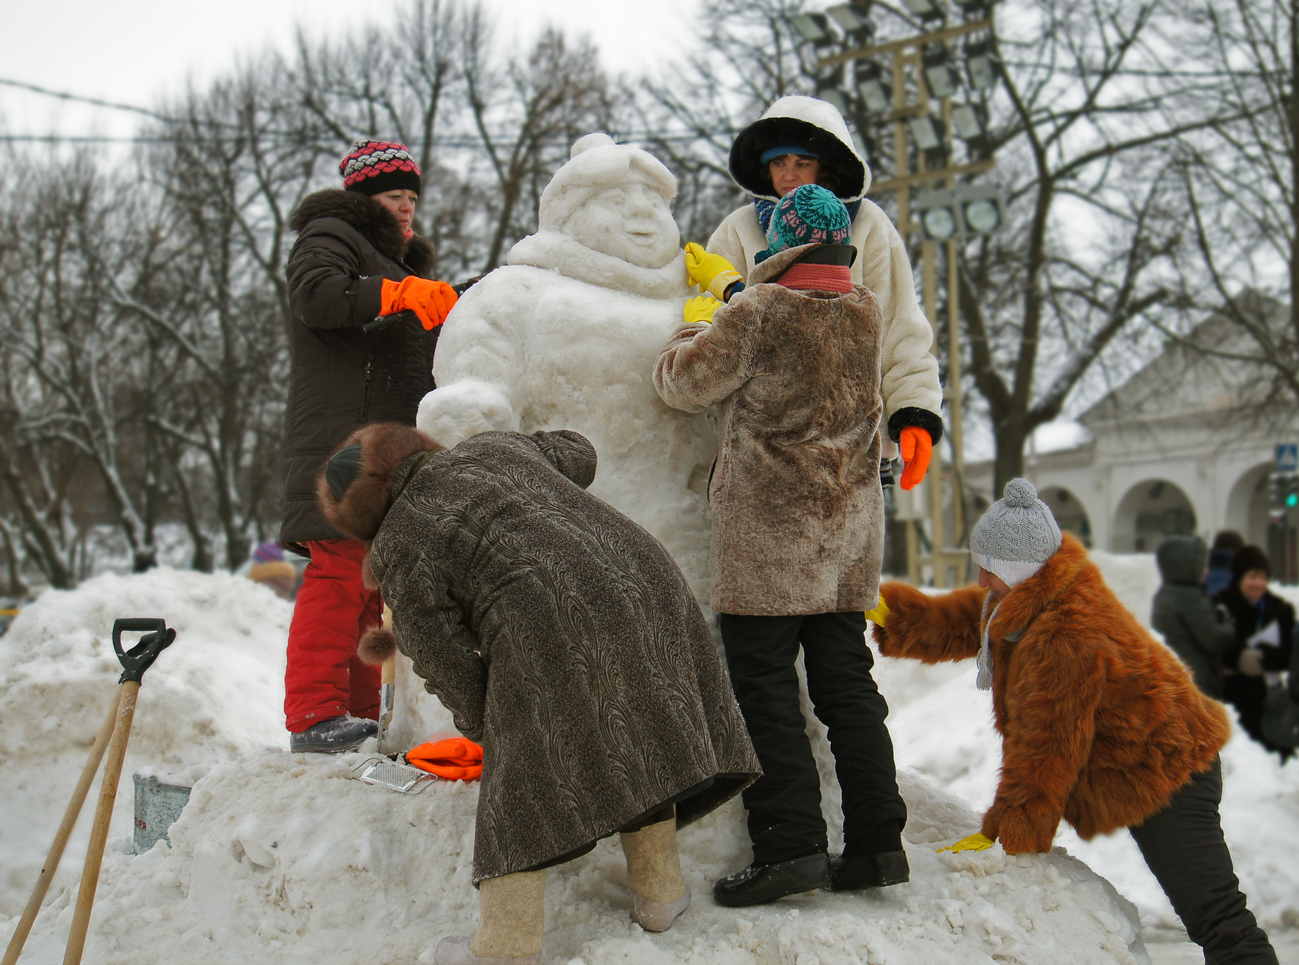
377,166
810,214
1016,535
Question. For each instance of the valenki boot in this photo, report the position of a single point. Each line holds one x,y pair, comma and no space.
511,924
659,892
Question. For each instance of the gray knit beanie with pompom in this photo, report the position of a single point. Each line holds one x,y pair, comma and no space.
1016,535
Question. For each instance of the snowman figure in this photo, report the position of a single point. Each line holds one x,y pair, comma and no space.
565,336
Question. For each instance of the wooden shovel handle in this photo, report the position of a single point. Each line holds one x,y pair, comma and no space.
61,837
130,691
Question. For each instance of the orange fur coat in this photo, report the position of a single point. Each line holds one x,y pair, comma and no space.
1100,723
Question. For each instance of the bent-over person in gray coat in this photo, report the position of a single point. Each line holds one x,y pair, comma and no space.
564,638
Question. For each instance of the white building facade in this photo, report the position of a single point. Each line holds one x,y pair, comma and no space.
1187,445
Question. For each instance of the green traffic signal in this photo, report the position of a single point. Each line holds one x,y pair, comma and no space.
1292,499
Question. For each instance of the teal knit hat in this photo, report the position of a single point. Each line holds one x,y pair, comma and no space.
810,214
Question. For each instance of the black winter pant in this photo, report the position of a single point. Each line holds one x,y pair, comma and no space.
784,805
1184,847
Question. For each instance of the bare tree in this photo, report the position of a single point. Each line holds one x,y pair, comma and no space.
1239,179
543,104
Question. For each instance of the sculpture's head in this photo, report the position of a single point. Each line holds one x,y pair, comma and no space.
613,198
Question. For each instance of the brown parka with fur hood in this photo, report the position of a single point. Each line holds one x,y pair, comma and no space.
1100,723
343,377
558,633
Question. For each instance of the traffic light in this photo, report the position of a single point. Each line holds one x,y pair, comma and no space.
1284,490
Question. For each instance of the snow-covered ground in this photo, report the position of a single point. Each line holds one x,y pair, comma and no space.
284,858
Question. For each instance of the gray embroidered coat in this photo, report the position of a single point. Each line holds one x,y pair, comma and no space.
561,635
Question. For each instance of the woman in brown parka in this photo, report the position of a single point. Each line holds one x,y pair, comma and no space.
561,636
1100,723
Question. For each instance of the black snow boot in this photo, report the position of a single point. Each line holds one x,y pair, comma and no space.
333,736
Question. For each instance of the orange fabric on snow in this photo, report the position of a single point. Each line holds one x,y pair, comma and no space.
454,758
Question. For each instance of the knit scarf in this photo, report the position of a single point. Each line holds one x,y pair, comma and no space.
763,208
821,278
984,660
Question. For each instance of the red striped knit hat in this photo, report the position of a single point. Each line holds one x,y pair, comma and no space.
373,167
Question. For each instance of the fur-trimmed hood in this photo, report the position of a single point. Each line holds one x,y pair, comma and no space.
801,122
385,447
375,222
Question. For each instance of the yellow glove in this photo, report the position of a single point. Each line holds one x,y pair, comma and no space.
973,842
879,614
701,309
712,273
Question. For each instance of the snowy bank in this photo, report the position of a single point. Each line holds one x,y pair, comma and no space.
285,858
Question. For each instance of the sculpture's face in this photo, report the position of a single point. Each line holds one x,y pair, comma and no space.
628,220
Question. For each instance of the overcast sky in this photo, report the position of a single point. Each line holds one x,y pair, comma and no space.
132,51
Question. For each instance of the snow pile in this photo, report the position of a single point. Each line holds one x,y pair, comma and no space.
286,858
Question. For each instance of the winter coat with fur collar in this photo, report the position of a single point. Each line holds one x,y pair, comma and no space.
798,514
342,377
1100,723
558,632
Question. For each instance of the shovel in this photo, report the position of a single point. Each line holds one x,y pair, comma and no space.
134,663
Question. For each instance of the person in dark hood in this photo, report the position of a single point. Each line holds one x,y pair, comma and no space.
564,638
1195,629
356,258
1264,624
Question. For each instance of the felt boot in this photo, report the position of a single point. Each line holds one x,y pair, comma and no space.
658,890
511,923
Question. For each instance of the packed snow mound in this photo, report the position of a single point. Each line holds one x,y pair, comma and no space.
286,858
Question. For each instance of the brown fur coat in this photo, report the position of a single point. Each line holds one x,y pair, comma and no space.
798,514
1100,723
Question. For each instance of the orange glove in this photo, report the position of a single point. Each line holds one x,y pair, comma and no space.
455,758
916,447
430,300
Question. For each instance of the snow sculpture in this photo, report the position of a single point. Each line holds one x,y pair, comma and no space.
565,337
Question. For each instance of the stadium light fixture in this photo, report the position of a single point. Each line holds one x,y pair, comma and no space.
873,87
982,65
853,21
926,10
941,76
814,28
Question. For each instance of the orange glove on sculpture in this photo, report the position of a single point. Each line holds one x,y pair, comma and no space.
455,758
916,447
430,300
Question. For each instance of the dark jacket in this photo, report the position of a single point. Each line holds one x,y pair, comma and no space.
561,635
1192,625
798,514
1247,694
1248,618
343,377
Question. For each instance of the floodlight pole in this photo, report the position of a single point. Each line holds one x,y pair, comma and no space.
903,53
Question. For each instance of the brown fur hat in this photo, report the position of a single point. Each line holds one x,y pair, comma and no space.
376,645
358,512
